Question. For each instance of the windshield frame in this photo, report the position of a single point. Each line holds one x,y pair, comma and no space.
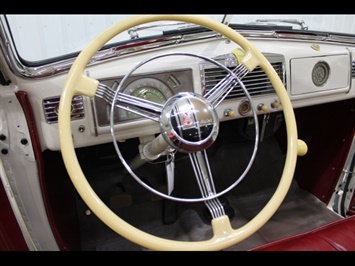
184,34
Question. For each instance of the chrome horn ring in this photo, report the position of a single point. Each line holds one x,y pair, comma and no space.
183,144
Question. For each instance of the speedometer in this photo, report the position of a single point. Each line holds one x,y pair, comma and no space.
150,89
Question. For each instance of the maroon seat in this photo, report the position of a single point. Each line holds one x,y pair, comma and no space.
336,236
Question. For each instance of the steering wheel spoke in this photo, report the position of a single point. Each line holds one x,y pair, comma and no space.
139,106
130,103
201,167
202,170
220,91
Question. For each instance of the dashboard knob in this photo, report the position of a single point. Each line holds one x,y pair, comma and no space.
263,107
275,104
229,113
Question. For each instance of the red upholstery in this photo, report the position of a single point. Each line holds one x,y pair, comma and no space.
336,236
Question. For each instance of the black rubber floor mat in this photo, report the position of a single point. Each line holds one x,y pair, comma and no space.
299,212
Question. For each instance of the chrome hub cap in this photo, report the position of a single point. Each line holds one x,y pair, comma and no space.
189,122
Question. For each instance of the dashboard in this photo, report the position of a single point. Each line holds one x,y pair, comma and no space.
311,76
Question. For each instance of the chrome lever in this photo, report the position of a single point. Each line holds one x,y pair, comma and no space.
170,166
265,121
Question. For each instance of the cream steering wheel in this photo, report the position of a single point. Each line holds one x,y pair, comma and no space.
224,235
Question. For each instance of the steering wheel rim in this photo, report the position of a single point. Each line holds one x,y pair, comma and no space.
224,235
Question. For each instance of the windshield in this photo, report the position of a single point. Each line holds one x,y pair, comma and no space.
41,37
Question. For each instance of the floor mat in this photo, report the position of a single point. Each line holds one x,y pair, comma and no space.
299,212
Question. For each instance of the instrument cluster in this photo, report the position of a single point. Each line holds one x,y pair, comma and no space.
156,87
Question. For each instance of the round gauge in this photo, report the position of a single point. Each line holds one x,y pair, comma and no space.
320,73
150,89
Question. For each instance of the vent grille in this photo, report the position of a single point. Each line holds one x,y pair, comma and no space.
51,105
256,82
353,70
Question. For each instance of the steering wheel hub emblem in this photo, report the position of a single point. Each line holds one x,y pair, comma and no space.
189,122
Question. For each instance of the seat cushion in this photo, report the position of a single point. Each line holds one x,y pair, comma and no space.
335,236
